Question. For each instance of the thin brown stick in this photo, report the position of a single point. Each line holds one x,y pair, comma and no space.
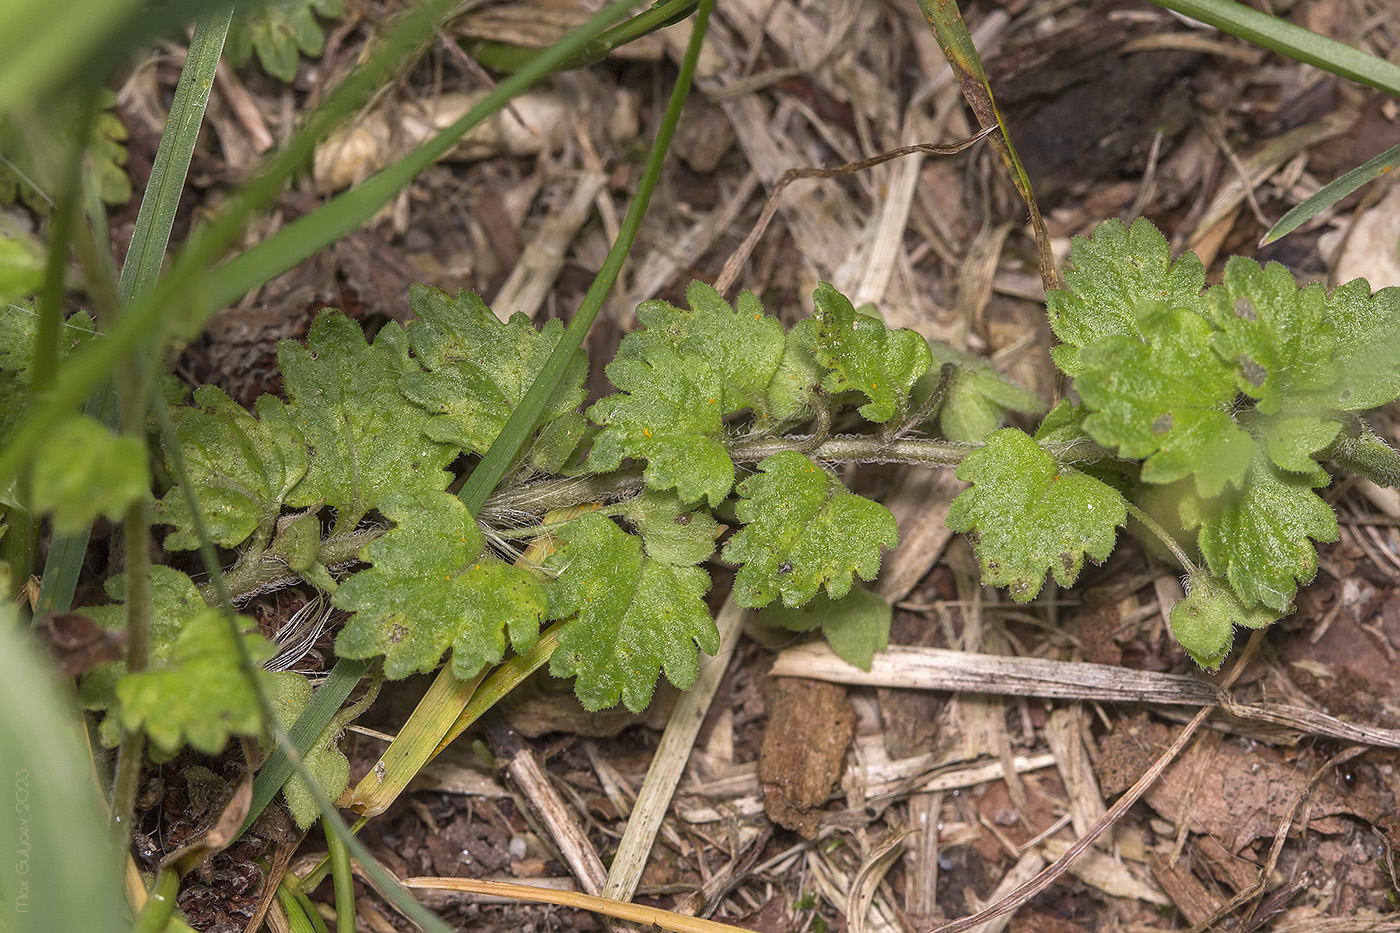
730,272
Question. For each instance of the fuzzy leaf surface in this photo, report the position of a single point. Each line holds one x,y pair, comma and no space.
479,368
1111,274
82,469
1204,622
803,531
856,626
364,439
862,355
741,345
280,31
667,413
200,697
431,587
1165,397
243,468
1367,329
1280,338
1029,517
324,759
1257,537
977,396
670,532
637,616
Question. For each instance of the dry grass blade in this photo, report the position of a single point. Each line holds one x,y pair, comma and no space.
730,272
661,919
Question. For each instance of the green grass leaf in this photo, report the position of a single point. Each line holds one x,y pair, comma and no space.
1204,622
1111,274
82,470
431,587
862,355
803,531
199,697
243,468
856,626
1257,537
1332,192
364,438
477,368
1166,397
636,615
1028,516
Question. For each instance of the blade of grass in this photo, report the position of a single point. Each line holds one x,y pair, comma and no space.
1332,192
502,56
1296,42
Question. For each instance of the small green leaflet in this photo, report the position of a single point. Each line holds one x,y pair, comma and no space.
668,413
741,345
1111,274
364,438
1027,516
977,397
243,468
1257,538
856,626
1204,622
636,615
862,355
1367,329
1166,399
1280,338
326,762
803,530
82,470
478,369
670,532
200,696
432,588
280,31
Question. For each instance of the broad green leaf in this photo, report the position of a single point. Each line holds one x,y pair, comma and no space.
977,396
431,587
803,531
200,696
1110,276
669,414
478,368
364,439
862,355
1291,437
1166,399
243,468
17,332
856,626
1367,329
21,266
670,532
82,470
1027,516
636,615
326,762
796,388
1204,622
741,345
280,31
1279,337
1257,537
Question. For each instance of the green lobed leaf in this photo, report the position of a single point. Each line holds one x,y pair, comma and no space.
326,762
17,334
668,413
1028,516
977,397
243,468
200,696
803,531
82,469
21,266
364,439
1110,275
280,31
636,615
478,368
795,391
1367,329
856,626
1204,622
670,532
741,345
432,587
1291,437
1166,397
1279,337
862,355
1257,537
